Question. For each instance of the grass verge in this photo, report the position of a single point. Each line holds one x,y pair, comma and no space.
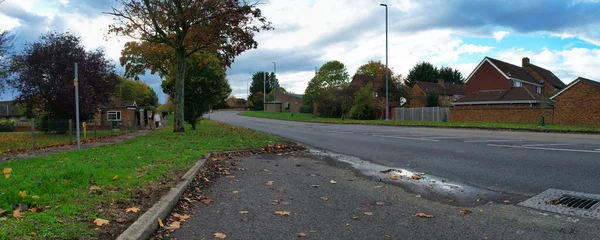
54,192
305,117
22,140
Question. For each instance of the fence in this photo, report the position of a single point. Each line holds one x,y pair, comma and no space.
22,135
431,114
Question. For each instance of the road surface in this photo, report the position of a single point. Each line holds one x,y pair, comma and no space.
521,163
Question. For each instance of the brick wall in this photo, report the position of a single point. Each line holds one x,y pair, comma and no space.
579,105
295,103
501,113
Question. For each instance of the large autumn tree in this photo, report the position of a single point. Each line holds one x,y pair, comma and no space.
189,26
206,86
43,75
330,75
138,91
396,88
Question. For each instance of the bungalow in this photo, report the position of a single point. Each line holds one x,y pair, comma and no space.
447,92
286,102
234,102
578,103
119,114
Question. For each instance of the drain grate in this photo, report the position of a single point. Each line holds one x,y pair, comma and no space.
575,202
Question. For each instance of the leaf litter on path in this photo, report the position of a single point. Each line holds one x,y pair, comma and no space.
423,215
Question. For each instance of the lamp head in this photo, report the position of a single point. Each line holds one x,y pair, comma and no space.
383,5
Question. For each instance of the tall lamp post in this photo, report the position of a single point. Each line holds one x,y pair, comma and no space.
387,111
275,80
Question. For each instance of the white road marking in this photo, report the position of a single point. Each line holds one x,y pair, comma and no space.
548,144
550,149
409,138
442,137
493,140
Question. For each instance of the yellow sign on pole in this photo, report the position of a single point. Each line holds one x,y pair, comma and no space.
84,130
75,82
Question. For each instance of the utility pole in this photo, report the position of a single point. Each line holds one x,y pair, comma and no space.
387,111
264,89
76,83
275,80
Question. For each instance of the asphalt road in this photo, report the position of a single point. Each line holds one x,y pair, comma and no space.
522,163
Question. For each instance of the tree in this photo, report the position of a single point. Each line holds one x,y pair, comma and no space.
5,45
331,75
258,100
206,86
423,71
396,88
451,75
363,108
138,91
257,83
44,77
185,27
433,100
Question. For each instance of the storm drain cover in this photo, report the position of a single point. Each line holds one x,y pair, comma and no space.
566,202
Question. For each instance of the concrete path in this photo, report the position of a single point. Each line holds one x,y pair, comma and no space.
246,203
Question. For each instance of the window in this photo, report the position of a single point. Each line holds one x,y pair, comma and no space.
375,94
517,84
447,97
538,90
114,115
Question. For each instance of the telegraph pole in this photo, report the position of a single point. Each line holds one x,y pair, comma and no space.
76,83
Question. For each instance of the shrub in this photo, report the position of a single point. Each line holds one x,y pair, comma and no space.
363,108
329,107
306,109
7,125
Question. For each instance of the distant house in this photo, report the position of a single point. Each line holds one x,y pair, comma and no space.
285,102
360,81
497,82
8,110
578,103
238,103
120,114
447,92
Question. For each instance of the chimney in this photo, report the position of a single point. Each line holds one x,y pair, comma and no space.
117,102
525,62
441,81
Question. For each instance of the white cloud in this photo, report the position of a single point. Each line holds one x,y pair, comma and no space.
499,35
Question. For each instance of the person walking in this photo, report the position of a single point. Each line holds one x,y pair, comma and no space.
156,119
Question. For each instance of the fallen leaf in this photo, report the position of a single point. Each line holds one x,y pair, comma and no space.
394,177
368,213
132,209
301,235
506,201
270,182
283,213
416,177
333,182
480,210
235,192
35,197
244,212
6,172
206,201
115,177
377,186
23,193
120,220
219,235
33,210
324,198
174,225
18,214
430,185
452,186
355,217
101,222
182,218
160,223
379,203
2,211
465,211
423,215
418,196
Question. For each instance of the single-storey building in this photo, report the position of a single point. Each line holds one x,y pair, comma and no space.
9,110
238,103
119,114
578,103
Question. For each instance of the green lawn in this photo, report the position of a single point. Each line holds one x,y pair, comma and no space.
62,181
304,117
22,140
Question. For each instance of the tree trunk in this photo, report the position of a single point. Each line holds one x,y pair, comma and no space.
179,90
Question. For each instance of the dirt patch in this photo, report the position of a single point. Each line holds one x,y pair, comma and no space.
220,165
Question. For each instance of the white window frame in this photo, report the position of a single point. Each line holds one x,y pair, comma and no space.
118,115
538,90
375,94
517,84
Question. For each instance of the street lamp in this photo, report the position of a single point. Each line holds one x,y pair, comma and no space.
387,112
275,82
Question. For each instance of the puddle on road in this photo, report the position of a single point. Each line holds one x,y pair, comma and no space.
428,186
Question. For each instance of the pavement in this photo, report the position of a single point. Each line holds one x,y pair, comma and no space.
326,199
515,163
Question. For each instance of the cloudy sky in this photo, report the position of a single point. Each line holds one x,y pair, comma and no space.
560,35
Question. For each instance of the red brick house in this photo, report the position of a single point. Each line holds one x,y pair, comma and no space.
493,81
447,92
119,114
578,103
360,81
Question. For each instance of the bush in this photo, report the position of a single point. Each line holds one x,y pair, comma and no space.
306,109
329,108
7,125
363,108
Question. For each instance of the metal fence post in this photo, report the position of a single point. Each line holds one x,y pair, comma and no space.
33,134
422,114
70,130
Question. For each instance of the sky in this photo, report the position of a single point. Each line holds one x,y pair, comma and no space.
562,36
